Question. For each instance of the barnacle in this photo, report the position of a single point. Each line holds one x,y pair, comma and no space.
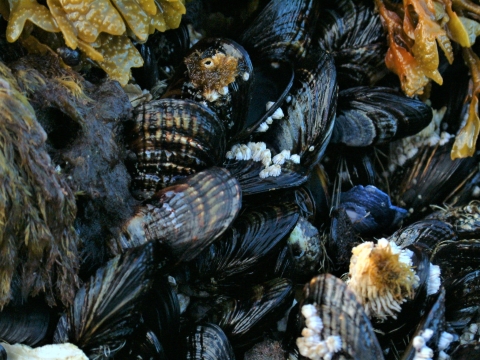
38,243
99,28
414,30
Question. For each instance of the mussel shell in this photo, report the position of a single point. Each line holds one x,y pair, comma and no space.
429,232
342,315
173,138
463,300
309,118
144,345
105,311
250,239
465,220
353,33
208,342
370,210
283,30
231,108
433,320
430,178
376,115
187,217
244,318
25,323
247,172
456,258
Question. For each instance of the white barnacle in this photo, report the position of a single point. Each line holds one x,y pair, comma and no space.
278,114
444,341
257,150
224,90
262,127
279,159
311,344
434,281
269,105
372,266
311,148
243,153
266,157
295,158
269,120
245,76
272,170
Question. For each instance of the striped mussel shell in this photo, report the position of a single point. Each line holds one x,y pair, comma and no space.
173,138
187,217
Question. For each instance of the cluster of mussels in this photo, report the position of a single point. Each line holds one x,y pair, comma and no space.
281,158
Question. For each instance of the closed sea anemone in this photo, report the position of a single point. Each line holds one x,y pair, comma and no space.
101,29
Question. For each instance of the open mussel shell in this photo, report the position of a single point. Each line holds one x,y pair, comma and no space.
187,217
463,300
272,84
429,232
244,317
309,118
207,341
353,33
282,31
105,311
342,315
173,138
376,115
197,82
251,238
430,178
456,258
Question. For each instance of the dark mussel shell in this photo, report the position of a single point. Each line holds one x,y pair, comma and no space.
283,30
143,345
172,139
429,232
251,238
376,115
342,315
105,310
370,210
244,318
3,353
463,300
353,33
309,118
231,108
208,342
434,320
430,178
464,219
248,175
456,258
187,217
27,323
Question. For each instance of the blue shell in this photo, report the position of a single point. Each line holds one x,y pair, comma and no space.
370,210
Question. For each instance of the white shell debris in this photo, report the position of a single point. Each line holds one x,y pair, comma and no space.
434,281
310,344
420,345
48,352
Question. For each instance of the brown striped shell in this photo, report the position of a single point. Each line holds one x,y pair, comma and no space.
171,139
187,217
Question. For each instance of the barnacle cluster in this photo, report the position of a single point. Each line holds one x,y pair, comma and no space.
99,28
414,29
